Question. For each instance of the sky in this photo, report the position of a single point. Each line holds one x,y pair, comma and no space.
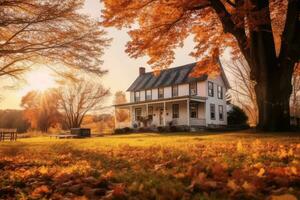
123,70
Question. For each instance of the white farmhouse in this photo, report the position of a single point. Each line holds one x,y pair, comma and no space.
174,97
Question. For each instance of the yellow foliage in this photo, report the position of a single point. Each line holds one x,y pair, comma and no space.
239,147
261,172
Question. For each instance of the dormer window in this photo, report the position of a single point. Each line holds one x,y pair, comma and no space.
174,90
148,95
193,88
137,96
160,93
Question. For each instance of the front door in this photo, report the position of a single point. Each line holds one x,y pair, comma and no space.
161,116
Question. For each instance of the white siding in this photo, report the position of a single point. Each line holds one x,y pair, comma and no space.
214,100
183,90
182,120
142,95
131,97
167,92
201,89
154,94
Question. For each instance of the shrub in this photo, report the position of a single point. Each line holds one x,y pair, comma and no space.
123,130
162,129
236,116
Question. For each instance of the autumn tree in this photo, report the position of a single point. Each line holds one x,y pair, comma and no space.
121,115
39,31
265,32
13,119
78,98
242,88
41,109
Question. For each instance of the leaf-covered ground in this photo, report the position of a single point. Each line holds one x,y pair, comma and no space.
153,166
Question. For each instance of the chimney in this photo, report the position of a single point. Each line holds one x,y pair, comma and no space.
142,70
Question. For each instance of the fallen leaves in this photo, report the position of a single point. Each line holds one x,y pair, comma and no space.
261,172
239,169
283,197
40,191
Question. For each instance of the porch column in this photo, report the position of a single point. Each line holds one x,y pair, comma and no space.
147,110
164,113
131,116
188,111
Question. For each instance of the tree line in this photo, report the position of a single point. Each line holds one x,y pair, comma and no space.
65,106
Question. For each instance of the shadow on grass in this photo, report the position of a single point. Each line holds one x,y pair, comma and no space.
249,133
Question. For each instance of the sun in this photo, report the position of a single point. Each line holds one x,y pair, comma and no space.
39,80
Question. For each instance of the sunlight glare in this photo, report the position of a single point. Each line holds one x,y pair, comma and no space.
39,80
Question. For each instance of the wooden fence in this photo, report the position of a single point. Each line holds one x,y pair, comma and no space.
8,134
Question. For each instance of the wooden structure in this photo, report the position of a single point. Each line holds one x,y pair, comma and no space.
81,132
63,136
74,133
8,134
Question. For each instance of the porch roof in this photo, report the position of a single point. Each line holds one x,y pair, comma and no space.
193,98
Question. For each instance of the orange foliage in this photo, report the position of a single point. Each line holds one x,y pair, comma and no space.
162,26
41,109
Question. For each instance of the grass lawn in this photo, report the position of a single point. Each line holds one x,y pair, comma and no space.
153,166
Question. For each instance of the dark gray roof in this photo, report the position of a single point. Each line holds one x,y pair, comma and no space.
168,77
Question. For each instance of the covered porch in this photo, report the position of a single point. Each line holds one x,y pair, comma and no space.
185,111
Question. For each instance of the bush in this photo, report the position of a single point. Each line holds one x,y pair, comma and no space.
236,116
123,130
162,129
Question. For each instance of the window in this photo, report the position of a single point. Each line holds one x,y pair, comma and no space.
150,112
138,114
212,111
137,96
148,95
193,88
221,116
175,109
210,89
220,92
174,90
194,110
160,93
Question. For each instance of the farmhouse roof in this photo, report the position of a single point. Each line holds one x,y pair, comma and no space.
169,77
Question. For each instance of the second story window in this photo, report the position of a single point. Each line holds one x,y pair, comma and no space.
210,89
160,93
193,88
137,97
148,95
220,92
174,90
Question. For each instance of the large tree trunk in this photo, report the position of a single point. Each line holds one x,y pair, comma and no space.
273,96
273,79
